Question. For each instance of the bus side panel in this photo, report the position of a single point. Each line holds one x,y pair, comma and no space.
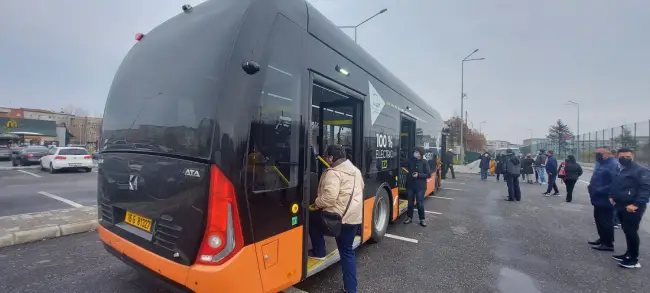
431,185
280,265
395,201
368,211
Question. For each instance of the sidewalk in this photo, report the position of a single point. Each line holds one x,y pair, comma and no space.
25,228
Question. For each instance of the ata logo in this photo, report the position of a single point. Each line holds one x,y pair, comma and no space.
11,124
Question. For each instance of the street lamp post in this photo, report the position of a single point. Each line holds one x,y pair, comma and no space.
355,27
577,129
462,99
480,127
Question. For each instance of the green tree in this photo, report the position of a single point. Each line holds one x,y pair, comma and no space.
558,134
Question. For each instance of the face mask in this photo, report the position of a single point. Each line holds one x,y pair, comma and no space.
416,155
599,157
625,161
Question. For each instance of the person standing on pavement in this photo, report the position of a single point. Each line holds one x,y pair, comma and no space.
340,191
630,194
449,158
617,221
485,165
599,192
513,169
500,168
540,166
527,168
572,171
551,169
416,186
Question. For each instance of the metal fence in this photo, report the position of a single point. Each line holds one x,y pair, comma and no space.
635,136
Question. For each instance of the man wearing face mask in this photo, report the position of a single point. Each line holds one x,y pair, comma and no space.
599,193
416,185
485,165
630,194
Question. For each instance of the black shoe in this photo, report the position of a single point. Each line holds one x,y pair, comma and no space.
620,258
507,199
597,242
408,221
629,263
603,247
546,193
423,223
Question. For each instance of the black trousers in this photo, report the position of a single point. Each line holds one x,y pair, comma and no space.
630,223
447,168
514,192
536,175
604,217
570,184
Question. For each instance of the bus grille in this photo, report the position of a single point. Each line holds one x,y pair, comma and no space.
107,213
166,235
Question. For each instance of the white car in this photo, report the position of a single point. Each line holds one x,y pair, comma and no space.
58,158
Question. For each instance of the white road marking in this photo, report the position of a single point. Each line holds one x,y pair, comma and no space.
293,290
441,197
585,182
401,238
61,199
430,212
455,189
452,182
29,173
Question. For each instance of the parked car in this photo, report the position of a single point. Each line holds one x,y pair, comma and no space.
27,156
5,152
59,158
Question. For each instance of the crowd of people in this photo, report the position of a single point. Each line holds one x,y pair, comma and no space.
619,190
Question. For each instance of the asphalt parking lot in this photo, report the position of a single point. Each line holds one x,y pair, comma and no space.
30,190
475,242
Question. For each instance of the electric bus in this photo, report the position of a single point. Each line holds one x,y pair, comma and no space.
211,141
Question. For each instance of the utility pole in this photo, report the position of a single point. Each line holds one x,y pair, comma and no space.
462,100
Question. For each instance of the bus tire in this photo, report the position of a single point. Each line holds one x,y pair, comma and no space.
380,215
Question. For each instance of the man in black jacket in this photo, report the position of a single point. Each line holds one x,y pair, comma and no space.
630,194
513,170
416,185
485,165
449,161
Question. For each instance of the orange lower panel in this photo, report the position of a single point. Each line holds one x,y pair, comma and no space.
280,260
368,205
431,185
395,202
239,274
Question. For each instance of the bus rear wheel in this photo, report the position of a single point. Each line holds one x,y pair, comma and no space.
380,215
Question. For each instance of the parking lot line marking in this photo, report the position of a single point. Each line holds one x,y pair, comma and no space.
452,182
52,196
29,173
435,213
401,238
455,189
441,197
585,182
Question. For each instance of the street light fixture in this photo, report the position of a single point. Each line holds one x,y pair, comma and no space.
355,27
577,135
462,99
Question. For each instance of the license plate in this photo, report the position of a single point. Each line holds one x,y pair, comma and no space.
74,165
138,221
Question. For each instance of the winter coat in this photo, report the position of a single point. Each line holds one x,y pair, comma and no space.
600,183
631,186
501,165
572,171
527,166
513,165
449,157
485,162
424,172
337,184
540,161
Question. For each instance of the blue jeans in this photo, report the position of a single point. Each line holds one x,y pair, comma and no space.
484,173
343,242
541,172
418,195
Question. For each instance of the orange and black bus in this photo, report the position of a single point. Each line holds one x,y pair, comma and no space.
211,138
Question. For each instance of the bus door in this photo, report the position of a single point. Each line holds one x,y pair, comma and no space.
407,145
336,119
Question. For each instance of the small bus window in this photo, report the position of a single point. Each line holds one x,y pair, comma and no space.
274,136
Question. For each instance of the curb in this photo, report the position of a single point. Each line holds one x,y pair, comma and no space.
26,236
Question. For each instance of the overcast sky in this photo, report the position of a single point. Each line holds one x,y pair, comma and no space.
539,54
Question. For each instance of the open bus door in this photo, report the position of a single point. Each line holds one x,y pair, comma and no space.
336,119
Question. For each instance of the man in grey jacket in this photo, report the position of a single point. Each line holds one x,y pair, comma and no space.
513,170
540,167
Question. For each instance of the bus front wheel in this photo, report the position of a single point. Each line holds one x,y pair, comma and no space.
380,215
